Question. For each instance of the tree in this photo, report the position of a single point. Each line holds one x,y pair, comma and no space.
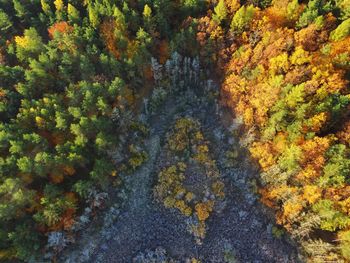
46,7
344,238
93,16
25,165
242,18
29,46
232,5
59,27
342,31
102,168
289,160
314,10
73,14
264,3
292,10
220,11
14,198
5,22
337,167
119,19
147,12
331,219
60,10
295,96
344,7
54,203
59,5
19,8
25,240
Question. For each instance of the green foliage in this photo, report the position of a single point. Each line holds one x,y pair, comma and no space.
94,17
314,9
331,219
289,159
264,3
5,22
220,11
344,8
310,14
45,5
242,18
18,198
54,205
73,14
30,45
64,101
26,241
83,188
295,96
185,42
292,10
342,31
337,169
192,5
19,8
344,238
68,98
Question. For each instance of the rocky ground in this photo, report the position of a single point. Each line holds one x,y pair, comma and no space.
241,232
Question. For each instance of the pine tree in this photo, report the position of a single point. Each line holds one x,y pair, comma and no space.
73,14
5,22
30,45
45,5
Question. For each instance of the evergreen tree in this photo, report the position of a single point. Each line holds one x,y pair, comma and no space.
73,14
5,22
29,46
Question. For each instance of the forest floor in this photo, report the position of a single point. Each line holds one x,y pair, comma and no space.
240,232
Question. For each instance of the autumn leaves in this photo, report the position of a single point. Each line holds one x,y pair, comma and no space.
288,82
190,182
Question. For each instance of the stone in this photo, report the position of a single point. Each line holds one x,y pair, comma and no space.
242,214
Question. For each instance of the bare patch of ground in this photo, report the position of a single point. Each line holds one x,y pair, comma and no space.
241,231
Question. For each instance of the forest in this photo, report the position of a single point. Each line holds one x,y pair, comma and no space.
82,84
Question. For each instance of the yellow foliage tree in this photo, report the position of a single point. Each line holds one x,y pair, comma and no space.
264,153
203,210
312,193
59,5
